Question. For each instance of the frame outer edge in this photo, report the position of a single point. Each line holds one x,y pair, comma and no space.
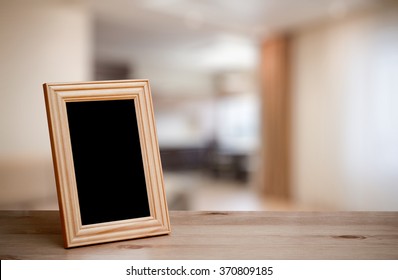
165,215
65,236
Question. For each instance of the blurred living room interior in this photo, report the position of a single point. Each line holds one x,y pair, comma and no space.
259,104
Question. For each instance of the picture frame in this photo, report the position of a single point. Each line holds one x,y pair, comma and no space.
106,161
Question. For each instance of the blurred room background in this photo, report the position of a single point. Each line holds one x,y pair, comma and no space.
259,104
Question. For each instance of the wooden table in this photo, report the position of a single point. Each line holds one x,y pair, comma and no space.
217,235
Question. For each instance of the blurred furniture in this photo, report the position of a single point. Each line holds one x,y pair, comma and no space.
220,163
178,159
217,235
229,164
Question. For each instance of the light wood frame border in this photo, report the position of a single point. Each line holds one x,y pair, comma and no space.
76,234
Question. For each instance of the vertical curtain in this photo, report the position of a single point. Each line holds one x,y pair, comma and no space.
275,117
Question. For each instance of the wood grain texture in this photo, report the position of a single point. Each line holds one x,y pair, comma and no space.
75,234
217,235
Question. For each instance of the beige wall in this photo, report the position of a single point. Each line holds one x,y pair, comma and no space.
41,41
345,113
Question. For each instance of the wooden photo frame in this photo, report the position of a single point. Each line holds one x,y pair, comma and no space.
106,161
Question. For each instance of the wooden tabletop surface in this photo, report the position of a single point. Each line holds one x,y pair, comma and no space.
217,235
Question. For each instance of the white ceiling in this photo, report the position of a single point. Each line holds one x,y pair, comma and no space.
183,28
253,18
